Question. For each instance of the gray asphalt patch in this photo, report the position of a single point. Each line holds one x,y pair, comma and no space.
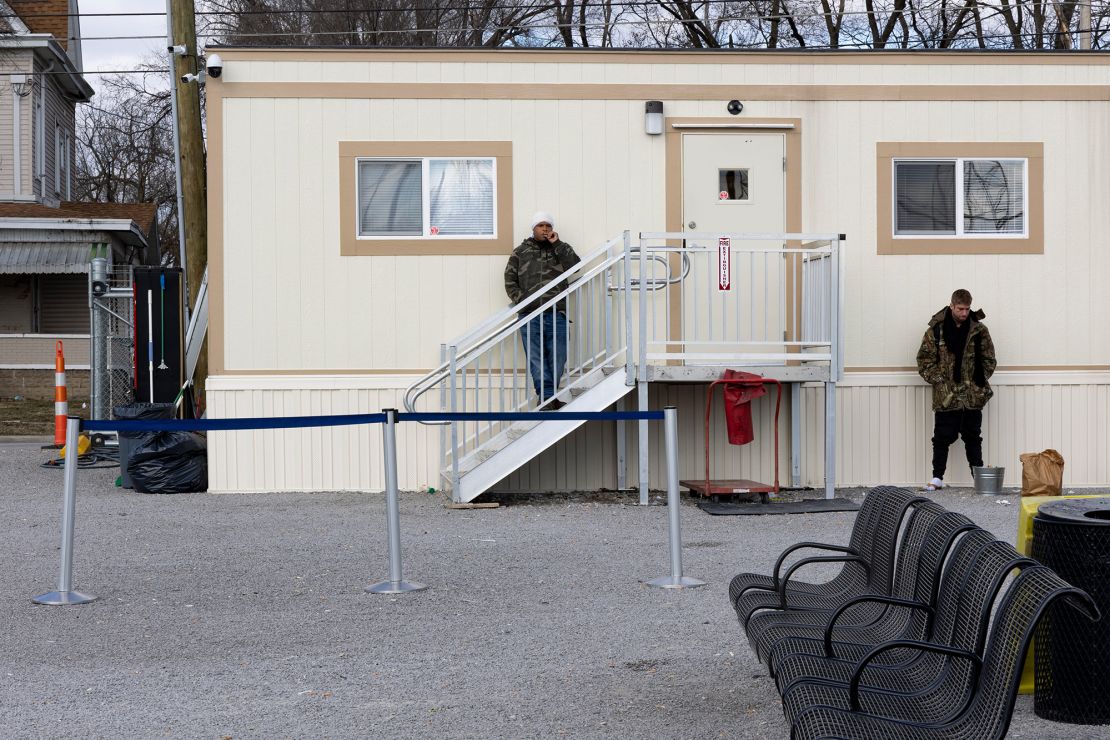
244,616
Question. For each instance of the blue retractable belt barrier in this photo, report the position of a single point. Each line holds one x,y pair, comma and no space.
287,422
198,425
537,416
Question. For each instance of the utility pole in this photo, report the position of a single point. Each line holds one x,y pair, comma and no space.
191,161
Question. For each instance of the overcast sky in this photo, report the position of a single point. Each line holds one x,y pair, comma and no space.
120,54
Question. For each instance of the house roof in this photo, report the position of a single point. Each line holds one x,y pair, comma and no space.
141,214
41,259
45,16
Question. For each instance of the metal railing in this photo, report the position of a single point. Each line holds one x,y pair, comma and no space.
779,303
633,303
486,369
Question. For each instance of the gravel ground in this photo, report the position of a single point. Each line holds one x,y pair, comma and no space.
245,616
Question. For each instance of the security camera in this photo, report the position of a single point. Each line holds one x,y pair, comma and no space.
215,65
178,50
735,107
187,78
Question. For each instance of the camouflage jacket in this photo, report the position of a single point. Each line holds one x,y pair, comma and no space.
937,365
533,265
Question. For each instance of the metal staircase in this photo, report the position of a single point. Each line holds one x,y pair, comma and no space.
524,440
638,311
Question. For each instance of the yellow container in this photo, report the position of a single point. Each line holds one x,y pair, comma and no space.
83,445
1029,507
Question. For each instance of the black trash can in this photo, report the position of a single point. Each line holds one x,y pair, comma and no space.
1072,653
128,441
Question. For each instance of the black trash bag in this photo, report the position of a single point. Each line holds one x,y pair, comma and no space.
130,441
170,462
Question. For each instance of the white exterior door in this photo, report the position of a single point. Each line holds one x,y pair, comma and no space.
733,183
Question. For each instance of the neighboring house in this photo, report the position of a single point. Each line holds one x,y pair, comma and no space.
332,284
45,237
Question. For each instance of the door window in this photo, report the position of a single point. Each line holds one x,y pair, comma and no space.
732,184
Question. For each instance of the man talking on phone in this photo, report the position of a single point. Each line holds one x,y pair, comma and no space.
532,266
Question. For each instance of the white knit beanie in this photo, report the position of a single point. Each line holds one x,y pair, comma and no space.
542,217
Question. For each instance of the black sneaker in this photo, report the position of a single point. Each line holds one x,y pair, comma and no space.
554,405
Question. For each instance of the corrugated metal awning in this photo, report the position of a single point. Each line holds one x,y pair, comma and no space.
43,258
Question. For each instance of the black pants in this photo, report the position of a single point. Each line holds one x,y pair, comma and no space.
947,426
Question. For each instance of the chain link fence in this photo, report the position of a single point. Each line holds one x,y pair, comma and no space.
113,343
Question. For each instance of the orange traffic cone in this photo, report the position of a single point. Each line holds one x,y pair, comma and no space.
61,406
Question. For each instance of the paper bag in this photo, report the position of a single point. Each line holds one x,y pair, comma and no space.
1042,473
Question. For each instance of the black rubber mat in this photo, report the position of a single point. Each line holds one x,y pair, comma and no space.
809,506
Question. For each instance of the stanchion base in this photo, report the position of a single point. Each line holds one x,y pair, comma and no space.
672,582
61,598
394,587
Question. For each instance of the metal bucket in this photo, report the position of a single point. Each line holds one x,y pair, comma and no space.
988,480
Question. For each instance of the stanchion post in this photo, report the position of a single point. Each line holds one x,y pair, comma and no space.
395,584
675,579
65,594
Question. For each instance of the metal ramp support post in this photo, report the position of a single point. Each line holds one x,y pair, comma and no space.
622,451
645,475
641,372
836,359
830,440
796,435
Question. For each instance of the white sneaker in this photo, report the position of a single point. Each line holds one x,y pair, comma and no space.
935,484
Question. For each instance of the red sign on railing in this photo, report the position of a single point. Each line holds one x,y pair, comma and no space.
724,263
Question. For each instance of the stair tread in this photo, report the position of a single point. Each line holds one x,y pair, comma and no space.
505,441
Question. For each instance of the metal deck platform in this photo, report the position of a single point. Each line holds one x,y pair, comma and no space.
709,373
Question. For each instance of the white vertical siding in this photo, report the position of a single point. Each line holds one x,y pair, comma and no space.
590,164
292,303
884,432
295,303
349,458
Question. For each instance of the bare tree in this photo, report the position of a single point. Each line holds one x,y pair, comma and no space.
124,152
689,24
440,23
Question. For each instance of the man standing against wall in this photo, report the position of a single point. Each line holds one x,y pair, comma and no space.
538,260
956,357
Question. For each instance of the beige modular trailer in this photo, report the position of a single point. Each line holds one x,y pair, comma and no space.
311,313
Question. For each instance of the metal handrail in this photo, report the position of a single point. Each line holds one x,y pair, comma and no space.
487,332
515,308
425,384
660,283
724,337
605,291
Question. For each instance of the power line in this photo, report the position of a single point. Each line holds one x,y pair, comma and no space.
533,27
544,6
991,12
523,29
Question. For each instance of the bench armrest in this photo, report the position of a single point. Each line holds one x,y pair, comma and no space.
894,601
809,561
928,647
799,546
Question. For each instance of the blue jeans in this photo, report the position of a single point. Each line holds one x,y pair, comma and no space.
545,342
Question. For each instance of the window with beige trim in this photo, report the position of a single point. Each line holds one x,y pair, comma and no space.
960,198
425,197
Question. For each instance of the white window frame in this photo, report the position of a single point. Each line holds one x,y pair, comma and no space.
40,139
58,153
959,193
67,166
425,200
